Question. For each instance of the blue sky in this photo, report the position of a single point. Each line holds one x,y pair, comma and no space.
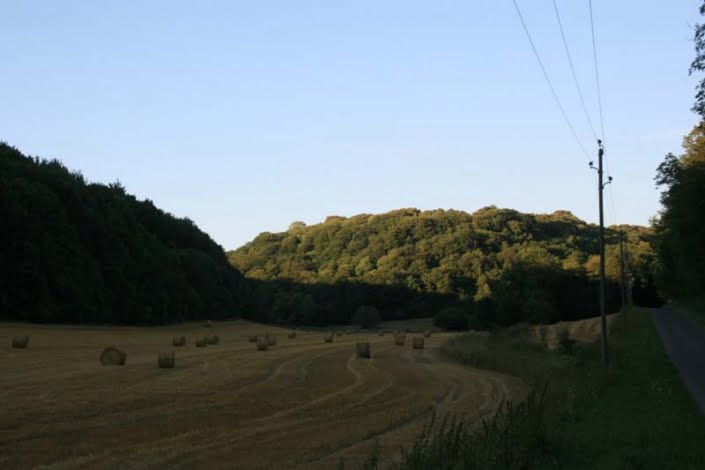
246,116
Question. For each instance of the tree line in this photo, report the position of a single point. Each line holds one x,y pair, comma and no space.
73,251
680,226
499,266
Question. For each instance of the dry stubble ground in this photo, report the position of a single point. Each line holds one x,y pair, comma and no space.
302,404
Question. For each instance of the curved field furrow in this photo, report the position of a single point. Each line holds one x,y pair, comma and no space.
304,402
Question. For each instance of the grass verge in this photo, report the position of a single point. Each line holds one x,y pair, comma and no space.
635,414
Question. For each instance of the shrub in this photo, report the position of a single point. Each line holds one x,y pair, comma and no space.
451,319
566,344
367,317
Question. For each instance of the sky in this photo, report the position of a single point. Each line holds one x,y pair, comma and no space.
247,116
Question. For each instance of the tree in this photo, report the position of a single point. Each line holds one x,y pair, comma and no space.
698,65
367,317
452,318
297,225
72,251
680,227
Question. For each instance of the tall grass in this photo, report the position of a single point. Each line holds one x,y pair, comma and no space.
520,435
515,437
634,414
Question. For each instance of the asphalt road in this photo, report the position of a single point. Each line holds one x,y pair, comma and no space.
685,344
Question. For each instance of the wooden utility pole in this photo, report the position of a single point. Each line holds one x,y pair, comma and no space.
603,315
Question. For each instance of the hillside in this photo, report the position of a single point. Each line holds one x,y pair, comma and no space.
73,251
499,263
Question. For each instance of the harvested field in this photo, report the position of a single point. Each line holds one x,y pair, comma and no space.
302,404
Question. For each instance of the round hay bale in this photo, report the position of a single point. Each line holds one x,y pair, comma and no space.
213,339
201,342
363,350
427,334
166,360
179,341
20,342
400,338
113,356
262,344
338,333
253,339
417,343
329,338
271,340
292,335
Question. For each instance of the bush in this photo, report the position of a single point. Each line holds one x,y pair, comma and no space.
451,319
367,316
566,344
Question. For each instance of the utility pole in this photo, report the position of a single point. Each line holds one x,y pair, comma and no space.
600,187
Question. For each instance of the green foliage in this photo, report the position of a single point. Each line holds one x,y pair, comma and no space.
698,65
452,318
634,414
367,316
72,251
499,264
680,228
566,344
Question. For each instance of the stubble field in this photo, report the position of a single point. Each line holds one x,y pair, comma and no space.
302,404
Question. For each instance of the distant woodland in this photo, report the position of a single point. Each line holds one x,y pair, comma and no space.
74,251
497,265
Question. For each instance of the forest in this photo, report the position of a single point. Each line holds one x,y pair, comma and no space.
499,266
71,251
74,251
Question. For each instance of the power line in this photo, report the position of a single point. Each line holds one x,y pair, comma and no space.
599,102
597,74
572,69
548,80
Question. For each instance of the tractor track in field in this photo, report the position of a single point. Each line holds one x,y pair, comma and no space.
266,421
303,401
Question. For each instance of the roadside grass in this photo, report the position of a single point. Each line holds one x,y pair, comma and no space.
635,414
645,417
